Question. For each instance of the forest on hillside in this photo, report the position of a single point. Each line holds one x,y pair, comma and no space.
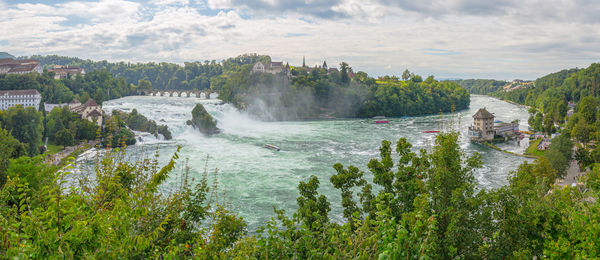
99,85
308,93
480,86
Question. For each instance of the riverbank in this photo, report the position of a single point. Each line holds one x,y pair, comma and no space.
71,151
509,152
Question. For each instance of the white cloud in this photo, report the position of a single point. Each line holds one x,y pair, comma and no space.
370,36
169,2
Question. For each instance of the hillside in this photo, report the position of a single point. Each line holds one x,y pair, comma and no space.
565,86
480,86
4,55
302,93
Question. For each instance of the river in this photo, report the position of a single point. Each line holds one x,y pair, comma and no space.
255,179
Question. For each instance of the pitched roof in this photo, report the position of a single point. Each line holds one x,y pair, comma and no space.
67,70
95,113
483,114
90,103
75,101
23,68
277,64
20,92
6,61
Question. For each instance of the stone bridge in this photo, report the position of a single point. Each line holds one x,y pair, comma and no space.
177,93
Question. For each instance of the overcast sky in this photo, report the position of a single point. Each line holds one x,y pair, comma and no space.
502,39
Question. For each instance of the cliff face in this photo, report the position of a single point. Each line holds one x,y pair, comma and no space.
203,121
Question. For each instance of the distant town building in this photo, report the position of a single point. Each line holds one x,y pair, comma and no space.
73,104
48,107
273,68
483,126
26,98
506,129
62,72
11,66
517,84
90,110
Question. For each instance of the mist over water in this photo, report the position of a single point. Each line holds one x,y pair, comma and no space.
256,179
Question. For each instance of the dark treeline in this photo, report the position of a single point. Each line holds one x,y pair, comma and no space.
341,93
321,94
192,75
480,86
98,84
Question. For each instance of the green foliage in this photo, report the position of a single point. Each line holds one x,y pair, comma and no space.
121,215
566,85
481,86
26,125
413,97
192,75
97,84
61,118
424,205
116,134
532,148
203,121
139,122
305,95
559,153
11,148
64,137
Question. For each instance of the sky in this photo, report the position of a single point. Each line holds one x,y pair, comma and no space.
501,39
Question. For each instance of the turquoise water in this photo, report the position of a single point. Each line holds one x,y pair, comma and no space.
256,179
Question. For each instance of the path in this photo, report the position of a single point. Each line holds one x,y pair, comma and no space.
573,173
56,158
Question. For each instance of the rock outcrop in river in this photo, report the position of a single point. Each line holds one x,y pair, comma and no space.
203,121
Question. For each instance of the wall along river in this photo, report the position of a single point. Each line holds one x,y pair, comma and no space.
256,179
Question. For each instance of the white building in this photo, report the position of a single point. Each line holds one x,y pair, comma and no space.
48,107
26,98
62,72
273,68
90,111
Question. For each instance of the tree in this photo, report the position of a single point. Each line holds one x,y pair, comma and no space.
11,149
312,210
406,75
588,107
549,125
26,125
64,137
581,131
344,78
144,84
86,130
559,153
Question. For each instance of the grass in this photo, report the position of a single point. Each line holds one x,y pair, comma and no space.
54,149
532,149
509,152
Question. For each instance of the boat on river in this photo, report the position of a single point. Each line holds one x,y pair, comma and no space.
381,120
430,131
272,147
